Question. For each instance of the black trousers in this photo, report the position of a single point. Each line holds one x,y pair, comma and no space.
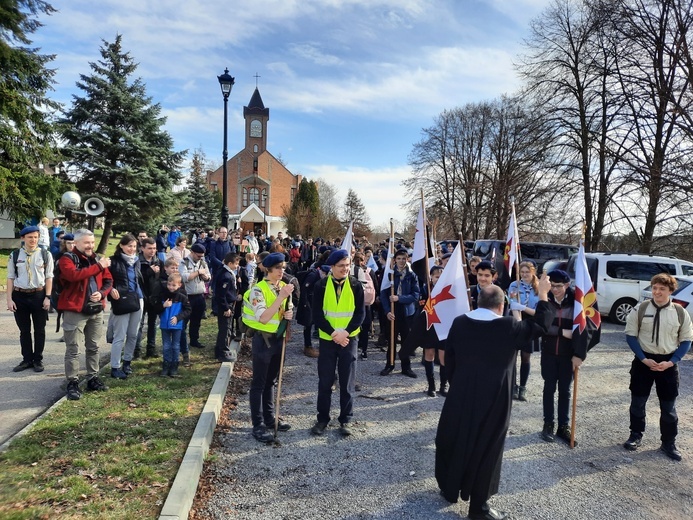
199,305
221,347
667,386
266,364
402,327
557,371
149,320
343,359
30,309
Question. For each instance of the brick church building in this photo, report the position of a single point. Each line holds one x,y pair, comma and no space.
259,186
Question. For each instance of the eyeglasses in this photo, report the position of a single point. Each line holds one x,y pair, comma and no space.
557,286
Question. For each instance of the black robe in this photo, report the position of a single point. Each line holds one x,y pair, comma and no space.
479,359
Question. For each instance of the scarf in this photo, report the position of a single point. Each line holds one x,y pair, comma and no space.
129,259
29,263
656,323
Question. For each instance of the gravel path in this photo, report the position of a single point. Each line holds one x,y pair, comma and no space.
386,469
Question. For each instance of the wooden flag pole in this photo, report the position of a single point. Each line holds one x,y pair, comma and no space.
425,234
391,350
466,269
289,306
575,392
575,381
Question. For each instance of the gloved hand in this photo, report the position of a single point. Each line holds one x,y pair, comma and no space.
517,306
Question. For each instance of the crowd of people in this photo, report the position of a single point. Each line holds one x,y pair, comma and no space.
257,284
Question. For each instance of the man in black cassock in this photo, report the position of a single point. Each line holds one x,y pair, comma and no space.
479,358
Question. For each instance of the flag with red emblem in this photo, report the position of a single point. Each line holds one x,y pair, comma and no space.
449,296
510,253
586,318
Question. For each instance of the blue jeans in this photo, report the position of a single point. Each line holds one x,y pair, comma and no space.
170,338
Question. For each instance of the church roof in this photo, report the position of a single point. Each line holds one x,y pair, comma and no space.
256,106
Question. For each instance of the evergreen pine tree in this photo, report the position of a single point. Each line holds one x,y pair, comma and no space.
356,211
202,209
117,146
26,123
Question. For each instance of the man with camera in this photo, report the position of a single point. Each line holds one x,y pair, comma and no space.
86,281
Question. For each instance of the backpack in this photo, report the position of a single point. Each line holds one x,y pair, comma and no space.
680,312
368,286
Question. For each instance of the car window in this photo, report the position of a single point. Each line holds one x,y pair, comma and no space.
622,270
687,269
482,248
682,284
630,270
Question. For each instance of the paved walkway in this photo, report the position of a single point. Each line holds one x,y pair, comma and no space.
26,395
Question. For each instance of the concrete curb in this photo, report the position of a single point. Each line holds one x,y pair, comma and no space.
182,493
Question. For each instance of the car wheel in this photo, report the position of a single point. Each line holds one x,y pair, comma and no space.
621,309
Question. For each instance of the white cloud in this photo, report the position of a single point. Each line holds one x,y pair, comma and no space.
380,189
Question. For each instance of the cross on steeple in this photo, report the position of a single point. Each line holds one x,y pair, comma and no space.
256,77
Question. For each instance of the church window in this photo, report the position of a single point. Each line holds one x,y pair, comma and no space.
245,197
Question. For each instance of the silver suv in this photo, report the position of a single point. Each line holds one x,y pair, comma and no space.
619,278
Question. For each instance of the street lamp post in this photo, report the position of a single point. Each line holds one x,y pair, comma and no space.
226,82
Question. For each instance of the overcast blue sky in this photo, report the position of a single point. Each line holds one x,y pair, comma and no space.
349,83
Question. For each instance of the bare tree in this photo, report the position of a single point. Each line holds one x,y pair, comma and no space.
648,40
566,70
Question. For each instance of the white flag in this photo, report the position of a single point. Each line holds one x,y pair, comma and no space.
347,243
449,296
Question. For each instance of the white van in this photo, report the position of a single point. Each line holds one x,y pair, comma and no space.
619,278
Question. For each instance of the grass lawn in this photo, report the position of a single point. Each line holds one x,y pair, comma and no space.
110,455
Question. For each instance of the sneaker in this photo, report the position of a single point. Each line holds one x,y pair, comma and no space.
364,355
318,428
198,346
670,449
24,365
387,370
408,372
516,392
73,393
186,359
633,442
262,435
563,433
345,430
547,432
443,390
96,385
117,373
127,368
38,366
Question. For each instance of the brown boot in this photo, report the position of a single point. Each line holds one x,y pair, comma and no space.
311,352
186,359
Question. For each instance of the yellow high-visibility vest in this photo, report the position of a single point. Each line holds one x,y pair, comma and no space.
338,313
249,315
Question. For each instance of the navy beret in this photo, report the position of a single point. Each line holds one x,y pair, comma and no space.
29,229
198,248
559,276
402,251
273,259
68,236
446,255
336,256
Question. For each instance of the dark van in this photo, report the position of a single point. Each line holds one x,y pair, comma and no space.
538,252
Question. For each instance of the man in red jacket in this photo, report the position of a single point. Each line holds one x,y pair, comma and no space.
86,282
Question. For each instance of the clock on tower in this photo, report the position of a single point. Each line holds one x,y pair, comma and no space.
255,128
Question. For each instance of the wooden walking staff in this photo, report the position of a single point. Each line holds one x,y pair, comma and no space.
391,350
575,377
289,306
